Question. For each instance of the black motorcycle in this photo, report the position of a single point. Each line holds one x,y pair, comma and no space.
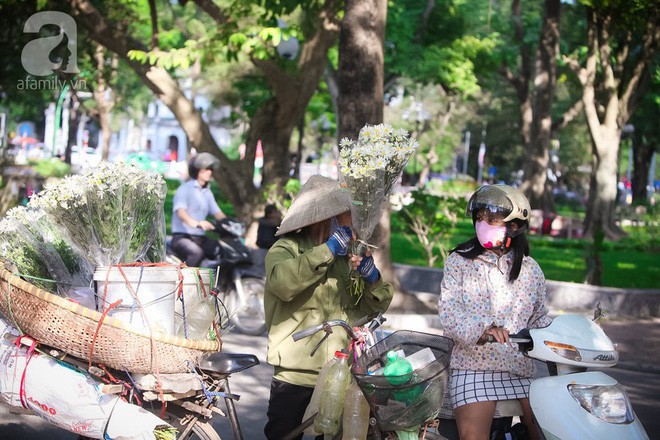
239,283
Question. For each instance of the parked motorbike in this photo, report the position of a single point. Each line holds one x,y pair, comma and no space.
571,403
239,283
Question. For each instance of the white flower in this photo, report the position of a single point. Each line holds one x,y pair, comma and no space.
110,214
369,167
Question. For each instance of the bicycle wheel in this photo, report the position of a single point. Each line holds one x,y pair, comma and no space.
249,318
202,431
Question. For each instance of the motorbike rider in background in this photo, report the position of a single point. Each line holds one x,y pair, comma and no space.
491,287
193,204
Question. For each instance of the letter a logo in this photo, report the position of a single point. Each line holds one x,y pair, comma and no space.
36,55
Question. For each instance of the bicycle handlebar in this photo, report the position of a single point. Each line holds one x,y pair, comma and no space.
376,320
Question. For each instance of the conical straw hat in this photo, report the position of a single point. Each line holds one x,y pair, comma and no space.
320,198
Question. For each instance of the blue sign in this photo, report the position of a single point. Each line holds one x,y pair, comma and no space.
26,129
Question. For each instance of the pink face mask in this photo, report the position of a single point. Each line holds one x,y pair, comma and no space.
490,236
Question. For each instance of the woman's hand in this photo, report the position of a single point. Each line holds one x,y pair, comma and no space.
355,260
338,241
499,334
365,266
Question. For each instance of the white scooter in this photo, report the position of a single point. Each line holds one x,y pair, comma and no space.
571,403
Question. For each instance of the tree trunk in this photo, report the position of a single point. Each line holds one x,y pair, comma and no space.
619,86
536,184
603,188
642,156
361,68
619,81
292,92
594,272
104,99
360,100
536,106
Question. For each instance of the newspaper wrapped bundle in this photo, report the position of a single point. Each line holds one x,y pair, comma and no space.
75,401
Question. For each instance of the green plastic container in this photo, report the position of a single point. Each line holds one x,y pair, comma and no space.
398,371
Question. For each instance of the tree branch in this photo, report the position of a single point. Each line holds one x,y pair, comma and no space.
574,65
519,82
213,10
650,43
622,54
588,76
277,78
568,116
609,81
157,79
424,20
154,24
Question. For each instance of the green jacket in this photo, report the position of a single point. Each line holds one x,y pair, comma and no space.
306,285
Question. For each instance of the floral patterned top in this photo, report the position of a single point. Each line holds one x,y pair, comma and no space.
476,294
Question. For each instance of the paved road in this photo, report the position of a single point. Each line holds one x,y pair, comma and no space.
253,386
642,387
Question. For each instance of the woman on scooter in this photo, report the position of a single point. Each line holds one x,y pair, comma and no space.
491,287
307,280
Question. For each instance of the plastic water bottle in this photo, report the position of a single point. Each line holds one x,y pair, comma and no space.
313,406
356,414
331,404
398,370
199,319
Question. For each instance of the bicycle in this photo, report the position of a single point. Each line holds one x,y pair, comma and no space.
393,407
187,401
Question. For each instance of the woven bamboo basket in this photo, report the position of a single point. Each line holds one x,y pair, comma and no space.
85,333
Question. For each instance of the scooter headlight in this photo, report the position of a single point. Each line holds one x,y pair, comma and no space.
609,403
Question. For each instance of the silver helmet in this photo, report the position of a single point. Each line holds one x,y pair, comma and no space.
503,199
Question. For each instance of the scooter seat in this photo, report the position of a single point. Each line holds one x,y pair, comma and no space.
227,363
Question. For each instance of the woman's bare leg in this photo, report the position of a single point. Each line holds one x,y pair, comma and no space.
528,420
474,420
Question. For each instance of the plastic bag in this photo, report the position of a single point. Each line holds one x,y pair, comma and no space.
369,167
40,253
67,397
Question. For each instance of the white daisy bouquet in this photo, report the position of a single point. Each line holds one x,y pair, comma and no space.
110,214
369,167
39,252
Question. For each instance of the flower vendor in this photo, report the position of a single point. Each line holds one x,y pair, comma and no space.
307,283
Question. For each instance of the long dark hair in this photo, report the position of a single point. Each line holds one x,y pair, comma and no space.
471,249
